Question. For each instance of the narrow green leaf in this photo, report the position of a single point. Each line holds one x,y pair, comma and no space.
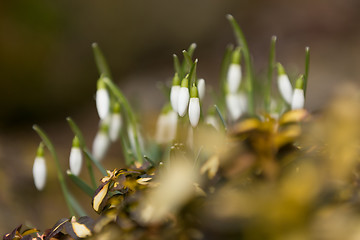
100,61
270,73
78,208
187,58
178,67
192,74
221,117
81,184
97,163
307,62
249,70
190,52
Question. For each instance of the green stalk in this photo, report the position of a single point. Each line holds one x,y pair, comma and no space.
307,62
192,74
100,60
270,74
244,47
221,117
76,130
190,53
177,66
81,184
130,114
71,202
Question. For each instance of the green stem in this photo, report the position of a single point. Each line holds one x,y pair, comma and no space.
130,114
78,133
307,62
250,78
177,66
97,163
190,53
81,184
100,60
221,117
70,200
270,74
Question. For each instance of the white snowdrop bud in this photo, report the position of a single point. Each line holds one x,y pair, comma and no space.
166,127
201,88
131,136
184,97
234,72
39,169
102,99
236,104
101,142
284,85
298,99
115,123
211,120
174,92
194,107
75,159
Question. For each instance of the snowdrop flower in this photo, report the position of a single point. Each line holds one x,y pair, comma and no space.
101,142
39,168
115,123
174,92
166,126
234,72
284,84
298,99
194,107
201,88
211,120
102,99
184,97
236,104
75,159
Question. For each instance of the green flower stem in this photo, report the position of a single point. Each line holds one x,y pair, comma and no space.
190,53
78,133
307,63
221,117
250,78
270,74
97,164
81,184
130,114
71,202
100,60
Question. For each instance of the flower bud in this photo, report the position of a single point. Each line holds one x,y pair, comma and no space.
39,169
174,92
166,127
234,72
201,88
211,120
298,99
115,124
194,107
101,142
75,159
184,97
284,84
102,99
236,104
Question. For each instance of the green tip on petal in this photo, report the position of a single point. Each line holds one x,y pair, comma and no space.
281,70
194,92
176,80
236,56
300,82
76,142
40,150
185,83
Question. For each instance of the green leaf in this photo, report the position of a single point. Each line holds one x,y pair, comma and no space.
100,61
97,163
192,74
221,117
307,62
187,58
81,184
190,53
178,67
270,73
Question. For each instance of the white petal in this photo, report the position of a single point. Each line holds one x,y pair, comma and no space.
234,77
234,105
166,127
160,129
194,111
211,120
132,139
201,88
285,88
115,126
183,101
75,160
298,99
102,102
174,97
100,145
39,173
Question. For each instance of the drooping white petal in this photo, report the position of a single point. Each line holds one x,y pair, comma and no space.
102,102
100,145
115,126
285,88
174,97
211,120
183,101
166,127
234,77
236,104
75,160
201,88
298,99
194,111
39,173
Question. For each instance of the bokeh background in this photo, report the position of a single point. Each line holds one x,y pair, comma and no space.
47,70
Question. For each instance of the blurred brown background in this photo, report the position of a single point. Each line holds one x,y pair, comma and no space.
47,70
